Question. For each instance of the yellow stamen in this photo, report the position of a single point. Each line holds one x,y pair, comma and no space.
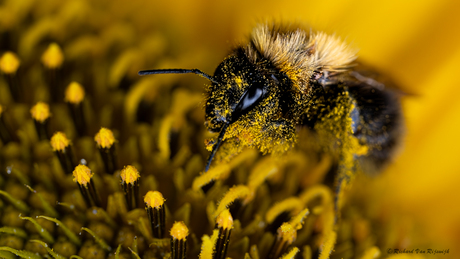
213,174
129,174
9,63
291,254
298,220
82,174
224,224
75,93
328,245
154,199
314,192
287,233
164,139
208,244
154,202
263,170
292,204
104,138
59,141
53,56
179,231
40,112
236,192
225,220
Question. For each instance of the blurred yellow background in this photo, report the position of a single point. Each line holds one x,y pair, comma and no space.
417,43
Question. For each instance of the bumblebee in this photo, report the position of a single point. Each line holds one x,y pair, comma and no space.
286,78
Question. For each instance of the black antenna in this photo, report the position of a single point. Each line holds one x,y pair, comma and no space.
202,74
216,146
177,71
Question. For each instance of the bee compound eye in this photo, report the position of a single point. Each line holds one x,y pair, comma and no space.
250,98
275,79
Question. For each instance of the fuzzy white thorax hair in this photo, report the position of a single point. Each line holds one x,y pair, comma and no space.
298,53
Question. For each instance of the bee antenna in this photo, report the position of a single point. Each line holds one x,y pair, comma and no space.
177,71
216,146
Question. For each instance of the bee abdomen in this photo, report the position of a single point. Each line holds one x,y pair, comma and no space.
380,124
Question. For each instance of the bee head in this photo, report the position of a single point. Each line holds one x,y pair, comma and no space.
239,91
239,87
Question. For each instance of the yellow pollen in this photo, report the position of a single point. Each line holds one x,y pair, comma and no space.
59,141
179,231
40,112
225,220
74,93
1,110
239,81
9,63
129,174
82,174
53,56
154,199
104,138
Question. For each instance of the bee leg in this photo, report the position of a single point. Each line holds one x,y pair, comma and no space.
342,181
